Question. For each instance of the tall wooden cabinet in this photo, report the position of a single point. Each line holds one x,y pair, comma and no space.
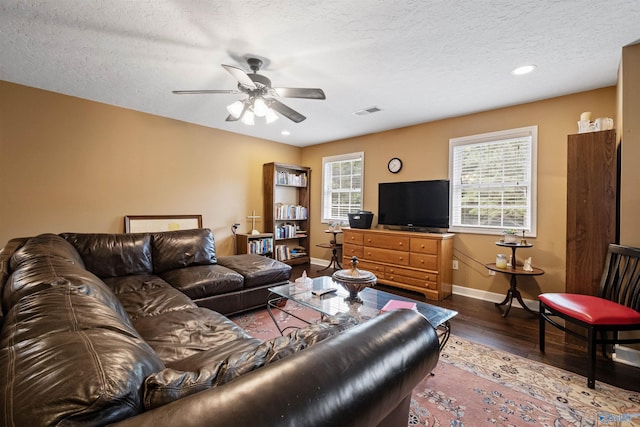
419,262
591,207
286,210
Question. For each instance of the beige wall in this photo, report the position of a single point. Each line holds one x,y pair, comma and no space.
68,164
424,152
630,146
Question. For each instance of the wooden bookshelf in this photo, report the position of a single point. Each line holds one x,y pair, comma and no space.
286,210
259,244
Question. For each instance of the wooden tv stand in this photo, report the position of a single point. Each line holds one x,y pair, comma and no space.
419,262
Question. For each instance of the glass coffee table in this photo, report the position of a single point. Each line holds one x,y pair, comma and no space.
373,300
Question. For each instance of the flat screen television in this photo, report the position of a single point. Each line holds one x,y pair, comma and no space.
415,204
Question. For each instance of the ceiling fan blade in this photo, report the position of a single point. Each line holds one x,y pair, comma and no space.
240,76
288,112
292,92
191,92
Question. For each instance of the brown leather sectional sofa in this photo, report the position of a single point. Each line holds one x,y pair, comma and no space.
104,329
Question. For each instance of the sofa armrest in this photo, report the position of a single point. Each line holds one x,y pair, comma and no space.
357,378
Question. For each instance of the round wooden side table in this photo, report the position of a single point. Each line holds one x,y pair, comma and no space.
514,270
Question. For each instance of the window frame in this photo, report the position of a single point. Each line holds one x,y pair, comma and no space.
528,131
326,186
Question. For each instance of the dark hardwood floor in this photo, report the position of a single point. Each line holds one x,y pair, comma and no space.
481,322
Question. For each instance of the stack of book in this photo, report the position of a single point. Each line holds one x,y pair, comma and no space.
288,178
288,231
284,252
290,212
261,246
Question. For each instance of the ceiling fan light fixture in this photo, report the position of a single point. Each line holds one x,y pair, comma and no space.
271,116
260,108
236,108
248,118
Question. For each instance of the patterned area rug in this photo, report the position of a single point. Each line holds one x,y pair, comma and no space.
474,385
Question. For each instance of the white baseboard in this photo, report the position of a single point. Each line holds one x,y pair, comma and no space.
626,355
318,261
491,297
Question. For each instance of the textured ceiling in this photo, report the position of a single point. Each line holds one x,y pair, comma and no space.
417,61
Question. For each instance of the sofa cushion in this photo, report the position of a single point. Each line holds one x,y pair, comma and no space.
182,248
45,245
175,335
68,359
257,270
45,273
147,295
112,255
201,281
214,367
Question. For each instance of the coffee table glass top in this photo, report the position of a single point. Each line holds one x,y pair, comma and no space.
372,301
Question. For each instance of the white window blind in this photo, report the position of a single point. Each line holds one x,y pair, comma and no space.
493,181
342,186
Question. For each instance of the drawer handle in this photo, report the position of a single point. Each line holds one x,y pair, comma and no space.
422,246
400,243
391,270
400,258
421,261
368,240
391,277
369,253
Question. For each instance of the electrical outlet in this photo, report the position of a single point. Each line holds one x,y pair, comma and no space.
454,264
491,272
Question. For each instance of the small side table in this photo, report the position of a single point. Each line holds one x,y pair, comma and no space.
515,271
334,246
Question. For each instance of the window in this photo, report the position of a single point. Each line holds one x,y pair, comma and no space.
341,186
493,181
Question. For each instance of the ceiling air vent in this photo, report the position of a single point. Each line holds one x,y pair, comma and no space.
366,111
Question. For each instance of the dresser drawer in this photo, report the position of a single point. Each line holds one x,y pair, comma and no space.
409,280
386,241
422,275
424,246
376,269
349,250
426,261
386,255
352,237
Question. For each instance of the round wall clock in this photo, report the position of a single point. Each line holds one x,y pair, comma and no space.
395,165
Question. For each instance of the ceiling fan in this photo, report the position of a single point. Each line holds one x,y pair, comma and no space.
261,101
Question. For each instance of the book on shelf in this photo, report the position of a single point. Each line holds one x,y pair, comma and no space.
288,231
261,246
394,304
284,252
289,178
288,212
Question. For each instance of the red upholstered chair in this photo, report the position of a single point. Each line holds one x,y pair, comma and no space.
615,309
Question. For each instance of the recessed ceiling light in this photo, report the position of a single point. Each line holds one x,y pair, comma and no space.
285,133
526,69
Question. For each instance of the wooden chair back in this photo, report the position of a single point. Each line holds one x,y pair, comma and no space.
621,277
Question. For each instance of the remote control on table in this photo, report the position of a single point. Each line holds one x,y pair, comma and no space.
320,292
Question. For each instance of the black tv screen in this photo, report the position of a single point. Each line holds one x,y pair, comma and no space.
415,204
